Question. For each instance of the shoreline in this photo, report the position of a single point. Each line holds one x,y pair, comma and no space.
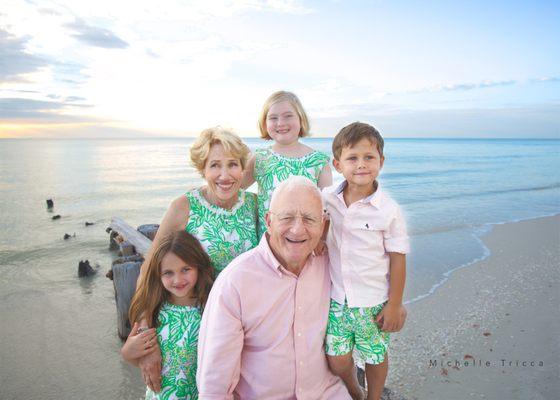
478,234
490,330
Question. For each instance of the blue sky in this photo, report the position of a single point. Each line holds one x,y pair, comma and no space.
411,68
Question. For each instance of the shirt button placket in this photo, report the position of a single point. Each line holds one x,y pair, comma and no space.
298,345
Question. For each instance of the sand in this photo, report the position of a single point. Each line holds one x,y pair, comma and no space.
491,331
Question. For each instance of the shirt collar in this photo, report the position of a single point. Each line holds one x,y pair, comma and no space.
269,257
374,199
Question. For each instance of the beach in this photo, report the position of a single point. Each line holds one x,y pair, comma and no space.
491,331
59,331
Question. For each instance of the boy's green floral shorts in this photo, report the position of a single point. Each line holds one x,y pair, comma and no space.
354,328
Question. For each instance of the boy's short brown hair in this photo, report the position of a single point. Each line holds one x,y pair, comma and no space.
352,134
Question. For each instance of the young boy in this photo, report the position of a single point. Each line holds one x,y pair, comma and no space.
367,243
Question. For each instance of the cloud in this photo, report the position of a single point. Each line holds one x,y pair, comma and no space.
29,110
545,79
471,86
94,36
287,6
15,61
539,121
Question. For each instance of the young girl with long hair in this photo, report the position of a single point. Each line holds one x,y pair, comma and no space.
171,295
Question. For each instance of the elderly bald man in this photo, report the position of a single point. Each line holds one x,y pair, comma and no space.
263,327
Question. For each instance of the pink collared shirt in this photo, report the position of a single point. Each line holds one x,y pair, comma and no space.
262,332
359,240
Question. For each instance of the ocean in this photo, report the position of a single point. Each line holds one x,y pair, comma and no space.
59,331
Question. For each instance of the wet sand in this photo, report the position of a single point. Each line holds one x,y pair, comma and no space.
492,330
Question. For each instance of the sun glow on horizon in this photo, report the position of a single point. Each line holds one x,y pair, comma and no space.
77,71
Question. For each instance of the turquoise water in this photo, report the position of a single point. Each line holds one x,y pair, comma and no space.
59,331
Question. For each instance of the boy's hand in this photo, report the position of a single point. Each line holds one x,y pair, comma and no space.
392,317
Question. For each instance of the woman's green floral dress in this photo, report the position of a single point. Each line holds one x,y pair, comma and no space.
272,168
223,233
177,335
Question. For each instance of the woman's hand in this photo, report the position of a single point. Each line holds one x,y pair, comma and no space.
140,342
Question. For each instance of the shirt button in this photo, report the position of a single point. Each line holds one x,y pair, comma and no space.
299,333
301,363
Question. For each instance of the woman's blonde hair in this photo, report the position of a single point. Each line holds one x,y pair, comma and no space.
231,143
277,97
150,293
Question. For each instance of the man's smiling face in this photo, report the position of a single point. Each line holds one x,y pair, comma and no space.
295,225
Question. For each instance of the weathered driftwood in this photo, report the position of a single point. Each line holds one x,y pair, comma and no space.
126,249
139,241
113,244
149,230
85,269
125,274
124,281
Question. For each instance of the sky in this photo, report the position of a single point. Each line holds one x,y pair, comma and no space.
128,69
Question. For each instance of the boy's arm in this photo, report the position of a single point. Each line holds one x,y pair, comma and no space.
397,280
396,242
322,245
393,314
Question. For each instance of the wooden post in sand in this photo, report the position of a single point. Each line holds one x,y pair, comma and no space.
125,274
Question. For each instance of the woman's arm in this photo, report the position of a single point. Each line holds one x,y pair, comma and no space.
249,173
175,219
325,177
140,342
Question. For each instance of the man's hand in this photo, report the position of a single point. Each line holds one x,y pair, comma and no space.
150,365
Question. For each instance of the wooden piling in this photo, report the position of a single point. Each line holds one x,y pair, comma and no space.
125,274
124,281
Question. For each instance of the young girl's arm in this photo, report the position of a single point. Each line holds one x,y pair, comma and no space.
249,173
139,343
325,177
393,314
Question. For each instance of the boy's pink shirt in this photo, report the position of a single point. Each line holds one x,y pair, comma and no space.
359,240
262,332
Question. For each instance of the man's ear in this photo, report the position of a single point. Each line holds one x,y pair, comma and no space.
267,220
381,162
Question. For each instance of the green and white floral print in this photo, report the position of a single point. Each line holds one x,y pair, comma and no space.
177,335
224,234
354,329
272,168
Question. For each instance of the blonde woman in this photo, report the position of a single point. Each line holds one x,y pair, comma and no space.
220,215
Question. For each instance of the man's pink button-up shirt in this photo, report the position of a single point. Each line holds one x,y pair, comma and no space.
359,240
262,332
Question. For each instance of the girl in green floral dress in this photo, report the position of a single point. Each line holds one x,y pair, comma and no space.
171,294
284,121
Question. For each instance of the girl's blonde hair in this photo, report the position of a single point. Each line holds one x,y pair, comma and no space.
277,97
150,293
231,143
